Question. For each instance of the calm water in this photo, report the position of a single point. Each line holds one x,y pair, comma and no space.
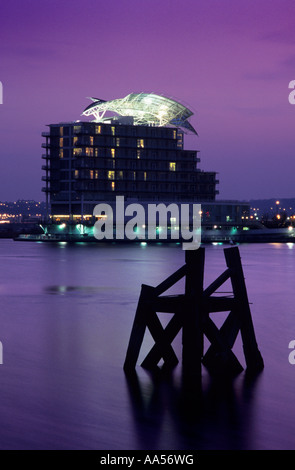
65,320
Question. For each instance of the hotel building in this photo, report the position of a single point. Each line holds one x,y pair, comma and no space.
90,162
131,147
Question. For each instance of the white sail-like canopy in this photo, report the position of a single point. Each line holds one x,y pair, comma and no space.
145,109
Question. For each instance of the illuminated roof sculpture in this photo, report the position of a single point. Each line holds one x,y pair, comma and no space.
145,109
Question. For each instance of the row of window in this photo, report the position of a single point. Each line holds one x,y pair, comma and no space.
120,130
91,141
113,152
139,186
171,166
123,153
135,165
120,174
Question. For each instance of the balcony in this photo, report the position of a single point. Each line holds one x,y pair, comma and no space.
50,190
45,167
45,134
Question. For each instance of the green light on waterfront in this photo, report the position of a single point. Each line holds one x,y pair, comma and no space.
80,228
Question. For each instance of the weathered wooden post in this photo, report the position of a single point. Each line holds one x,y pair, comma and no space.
252,354
191,313
192,330
138,328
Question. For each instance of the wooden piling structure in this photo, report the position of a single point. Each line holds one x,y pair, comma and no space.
191,313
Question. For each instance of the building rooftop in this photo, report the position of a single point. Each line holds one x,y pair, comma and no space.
145,109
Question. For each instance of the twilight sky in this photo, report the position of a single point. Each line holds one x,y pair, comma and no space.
229,61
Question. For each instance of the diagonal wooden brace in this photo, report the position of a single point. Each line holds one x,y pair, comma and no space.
219,356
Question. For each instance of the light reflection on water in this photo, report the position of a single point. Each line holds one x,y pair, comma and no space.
65,320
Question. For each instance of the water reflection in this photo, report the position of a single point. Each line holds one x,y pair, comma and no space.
72,289
66,317
219,411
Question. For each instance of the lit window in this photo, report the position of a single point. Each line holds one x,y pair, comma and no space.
61,131
77,152
117,142
179,140
172,166
134,175
61,153
96,174
76,173
98,129
140,143
75,140
113,186
111,175
61,142
138,153
89,152
91,140
91,174
174,134
77,129
144,176
113,151
113,130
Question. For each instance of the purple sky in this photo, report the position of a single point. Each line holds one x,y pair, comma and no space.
230,61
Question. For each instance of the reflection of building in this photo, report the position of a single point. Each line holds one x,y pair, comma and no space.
135,155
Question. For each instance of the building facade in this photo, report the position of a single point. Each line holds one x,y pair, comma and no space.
86,163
